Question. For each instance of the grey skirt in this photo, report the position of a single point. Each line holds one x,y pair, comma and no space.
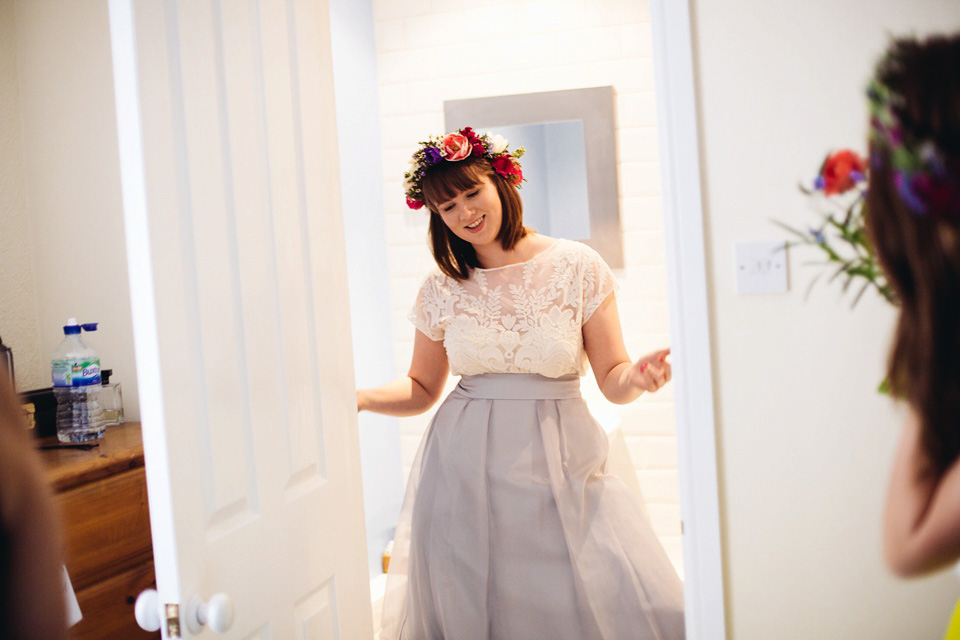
511,527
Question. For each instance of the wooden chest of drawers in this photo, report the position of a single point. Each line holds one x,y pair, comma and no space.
102,498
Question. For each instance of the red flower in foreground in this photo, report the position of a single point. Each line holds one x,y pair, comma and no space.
414,204
506,168
841,171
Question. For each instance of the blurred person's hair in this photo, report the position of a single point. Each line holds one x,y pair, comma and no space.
913,218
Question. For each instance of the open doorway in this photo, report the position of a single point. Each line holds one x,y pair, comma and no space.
422,59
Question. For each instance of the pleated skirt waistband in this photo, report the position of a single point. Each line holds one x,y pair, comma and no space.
519,386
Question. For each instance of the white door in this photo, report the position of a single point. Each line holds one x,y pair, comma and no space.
238,283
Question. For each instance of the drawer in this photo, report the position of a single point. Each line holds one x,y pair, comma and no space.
107,607
106,527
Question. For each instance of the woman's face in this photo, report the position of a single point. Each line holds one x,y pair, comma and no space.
474,215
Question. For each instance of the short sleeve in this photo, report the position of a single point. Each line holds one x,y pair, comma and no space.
597,282
428,314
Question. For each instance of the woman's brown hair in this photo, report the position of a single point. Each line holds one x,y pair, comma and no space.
454,255
920,252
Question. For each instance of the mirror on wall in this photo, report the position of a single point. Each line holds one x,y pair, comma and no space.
571,150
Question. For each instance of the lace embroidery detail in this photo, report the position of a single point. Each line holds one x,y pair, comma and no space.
523,318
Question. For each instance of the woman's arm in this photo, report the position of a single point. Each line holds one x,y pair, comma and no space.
418,390
620,380
921,526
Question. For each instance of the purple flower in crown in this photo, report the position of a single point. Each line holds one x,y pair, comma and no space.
907,186
938,192
433,155
895,135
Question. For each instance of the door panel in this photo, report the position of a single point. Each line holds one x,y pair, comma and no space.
231,186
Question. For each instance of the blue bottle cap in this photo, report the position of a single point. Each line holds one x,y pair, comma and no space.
90,326
71,329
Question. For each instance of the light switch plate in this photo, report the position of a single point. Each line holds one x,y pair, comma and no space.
761,267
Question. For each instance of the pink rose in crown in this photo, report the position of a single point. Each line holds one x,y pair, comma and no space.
455,147
413,203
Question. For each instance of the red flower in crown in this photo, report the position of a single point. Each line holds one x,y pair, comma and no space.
841,171
508,169
475,141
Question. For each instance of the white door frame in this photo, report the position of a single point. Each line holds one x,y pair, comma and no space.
689,318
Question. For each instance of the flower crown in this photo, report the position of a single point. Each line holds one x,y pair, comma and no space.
920,169
455,147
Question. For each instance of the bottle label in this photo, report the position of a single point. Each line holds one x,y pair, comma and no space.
62,373
76,373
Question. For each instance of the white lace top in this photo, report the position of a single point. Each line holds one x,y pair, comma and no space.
521,318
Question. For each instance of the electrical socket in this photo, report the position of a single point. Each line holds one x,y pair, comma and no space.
761,267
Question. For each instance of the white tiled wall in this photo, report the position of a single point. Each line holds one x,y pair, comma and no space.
429,51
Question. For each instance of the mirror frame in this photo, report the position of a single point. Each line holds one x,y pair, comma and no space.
594,107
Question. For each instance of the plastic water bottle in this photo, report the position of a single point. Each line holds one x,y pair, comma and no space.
76,383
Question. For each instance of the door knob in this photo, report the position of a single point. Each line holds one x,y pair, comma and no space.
147,610
216,613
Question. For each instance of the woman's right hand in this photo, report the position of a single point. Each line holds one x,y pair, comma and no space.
415,392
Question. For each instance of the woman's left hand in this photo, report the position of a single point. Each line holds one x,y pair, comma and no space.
652,371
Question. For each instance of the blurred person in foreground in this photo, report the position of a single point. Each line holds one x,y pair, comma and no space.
913,218
32,603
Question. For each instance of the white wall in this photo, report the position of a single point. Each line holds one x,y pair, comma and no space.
435,50
71,172
804,441
355,78
18,303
